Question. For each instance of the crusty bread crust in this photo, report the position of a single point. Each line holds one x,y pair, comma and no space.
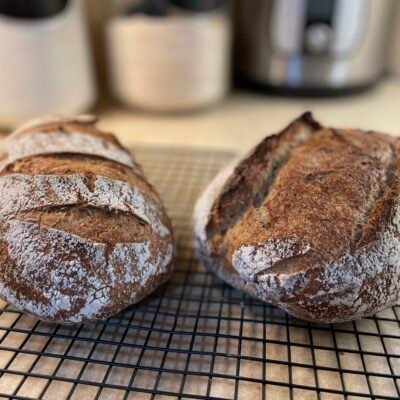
83,235
309,221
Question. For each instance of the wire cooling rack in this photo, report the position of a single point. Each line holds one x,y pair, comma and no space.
195,337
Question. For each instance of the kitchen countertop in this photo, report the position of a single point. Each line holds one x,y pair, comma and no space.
244,118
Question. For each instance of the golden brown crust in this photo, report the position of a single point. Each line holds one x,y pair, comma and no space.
63,136
94,224
82,236
322,199
89,165
321,239
254,175
70,125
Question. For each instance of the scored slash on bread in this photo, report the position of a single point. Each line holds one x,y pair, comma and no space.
309,221
83,235
68,135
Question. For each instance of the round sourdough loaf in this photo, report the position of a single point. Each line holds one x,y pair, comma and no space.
83,235
308,221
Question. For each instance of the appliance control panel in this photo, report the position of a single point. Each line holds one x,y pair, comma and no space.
317,27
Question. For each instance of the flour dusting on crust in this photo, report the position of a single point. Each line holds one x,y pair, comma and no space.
34,191
347,279
374,269
138,256
206,201
250,260
46,260
38,143
65,277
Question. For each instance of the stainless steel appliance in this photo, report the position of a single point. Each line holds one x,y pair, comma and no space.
311,46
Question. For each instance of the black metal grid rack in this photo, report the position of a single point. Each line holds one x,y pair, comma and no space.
196,337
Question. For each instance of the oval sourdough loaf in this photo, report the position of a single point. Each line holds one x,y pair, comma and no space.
83,235
308,221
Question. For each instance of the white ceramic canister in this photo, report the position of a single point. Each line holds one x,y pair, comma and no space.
45,65
172,63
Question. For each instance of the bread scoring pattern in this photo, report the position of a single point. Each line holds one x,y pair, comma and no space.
81,237
32,192
317,234
31,144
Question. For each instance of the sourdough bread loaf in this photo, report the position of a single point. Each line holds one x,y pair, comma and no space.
83,235
308,221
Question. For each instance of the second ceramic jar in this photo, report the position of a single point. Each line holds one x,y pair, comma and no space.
173,59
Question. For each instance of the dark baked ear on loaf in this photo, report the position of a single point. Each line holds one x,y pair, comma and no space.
308,221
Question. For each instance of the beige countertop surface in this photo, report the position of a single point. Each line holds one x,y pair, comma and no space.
244,118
